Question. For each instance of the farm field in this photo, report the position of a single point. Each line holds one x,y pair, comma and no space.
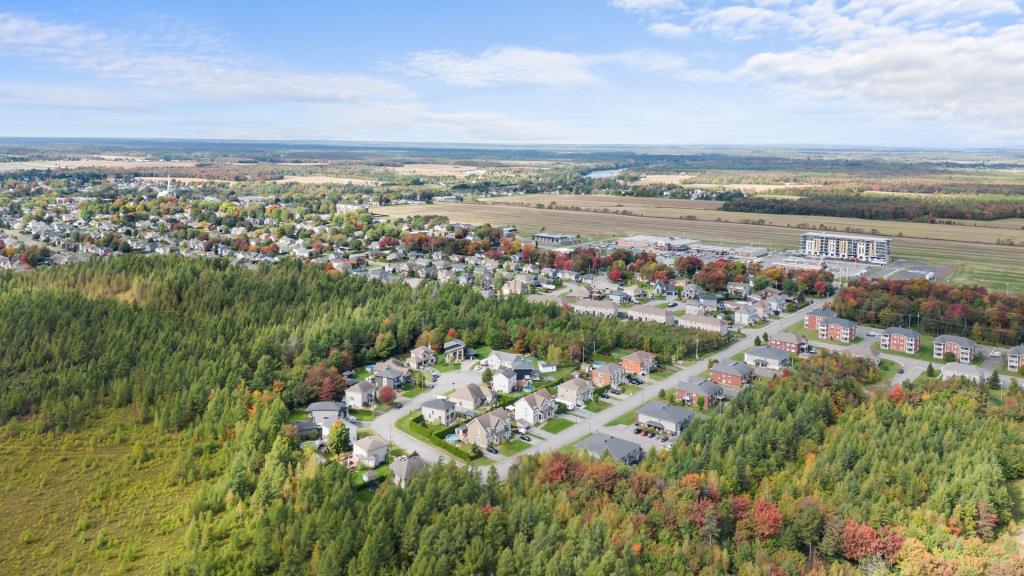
91,163
704,210
971,261
327,180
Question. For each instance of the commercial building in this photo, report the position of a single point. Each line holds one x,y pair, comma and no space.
598,444
873,249
656,243
554,239
671,419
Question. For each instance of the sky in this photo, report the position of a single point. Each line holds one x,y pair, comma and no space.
903,73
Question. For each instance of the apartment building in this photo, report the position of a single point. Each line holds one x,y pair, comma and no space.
706,323
873,249
838,329
900,340
961,348
1013,358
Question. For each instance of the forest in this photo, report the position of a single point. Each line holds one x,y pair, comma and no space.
73,334
870,207
934,308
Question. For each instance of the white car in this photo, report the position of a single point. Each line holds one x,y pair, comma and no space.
872,334
995,354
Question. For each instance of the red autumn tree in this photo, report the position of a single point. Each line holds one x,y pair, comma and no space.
858,540
386,395
767,519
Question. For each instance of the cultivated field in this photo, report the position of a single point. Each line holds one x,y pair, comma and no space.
991,264
434,169
97,163
977,231
327,180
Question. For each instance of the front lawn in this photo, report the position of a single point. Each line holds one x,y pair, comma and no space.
556,425
513,447
887,370
412,425
447,367
362,415
625,420
596,405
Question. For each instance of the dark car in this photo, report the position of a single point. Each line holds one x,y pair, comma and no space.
637,431
616,392
525,438
396,405
664,438
605,395
900,371
492,449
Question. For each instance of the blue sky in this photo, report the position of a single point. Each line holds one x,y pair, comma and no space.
934,73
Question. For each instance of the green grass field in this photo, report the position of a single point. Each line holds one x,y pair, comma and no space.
513,447
596,405
102,500
556,425
624,420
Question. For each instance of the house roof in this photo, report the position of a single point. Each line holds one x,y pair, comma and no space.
848,324
454,344
959,340
507,373
768,352
789,338
304,426
733,368
370,443
823,313
703,386
491,419
640,357
438,404
902,332
600,443
407,466
326,407
537,398
575,384
362,387
662,411
421,351
1015,351
609,368
472,392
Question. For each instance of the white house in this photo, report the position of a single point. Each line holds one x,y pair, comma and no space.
371,451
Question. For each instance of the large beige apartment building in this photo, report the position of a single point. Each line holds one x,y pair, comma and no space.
874,249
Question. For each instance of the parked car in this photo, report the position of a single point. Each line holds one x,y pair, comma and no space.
605,395
525,438
492,449
664,439
672,304
616,392
900,371
872,334
995,354
637,431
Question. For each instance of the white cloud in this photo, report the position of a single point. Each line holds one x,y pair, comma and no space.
669,30
741,22
647,5
211,74
505,65
514,65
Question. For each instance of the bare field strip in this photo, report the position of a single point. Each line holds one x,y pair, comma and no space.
669,208
1007,259
328,180
98,163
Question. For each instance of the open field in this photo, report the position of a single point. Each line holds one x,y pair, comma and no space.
97,163
977,258
327,180
705,210
434,169
97,501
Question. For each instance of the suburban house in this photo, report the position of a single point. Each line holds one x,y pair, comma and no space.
392,372
961,348
691,391
498,359
600,308
640,363
745,315
608,374
361,394
534,409
307,430
1013,358
454,351
575,392
732,373
900,340
740,289
649,313
438,411
405,467
767,357
816,317
662,288
599,444
619,297
705,323
472,396
422,357
371,451
671,419
488,429
325,414
954,370
788,341
514,287
504,381
838,329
